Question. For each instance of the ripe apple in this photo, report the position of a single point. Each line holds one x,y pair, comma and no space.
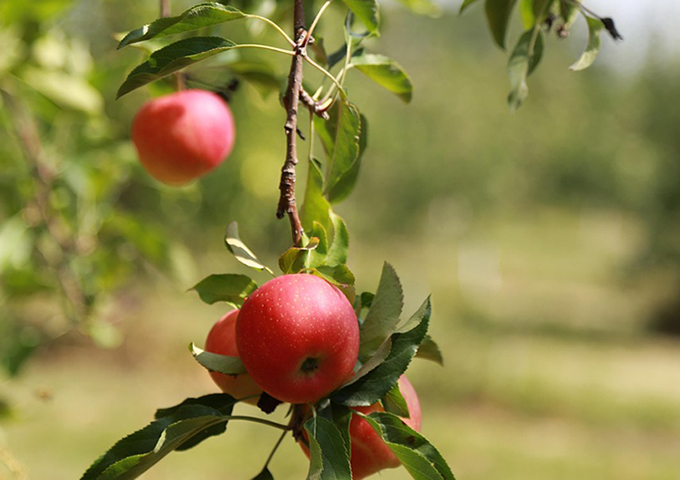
181,136
298,337
368,453
222,340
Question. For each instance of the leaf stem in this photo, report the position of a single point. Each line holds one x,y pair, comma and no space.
537,28
316,20
265,47
328,74
276,27
263,421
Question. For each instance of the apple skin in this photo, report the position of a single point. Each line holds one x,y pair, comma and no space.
298,337
222,340
184,135
368,453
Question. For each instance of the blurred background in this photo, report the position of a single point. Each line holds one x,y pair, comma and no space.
550,240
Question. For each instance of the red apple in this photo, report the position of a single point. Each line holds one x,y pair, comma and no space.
298,337
368,453
222,340
181,136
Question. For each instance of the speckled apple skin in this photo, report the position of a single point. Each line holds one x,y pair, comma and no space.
184,135
368,453
288,320
222,340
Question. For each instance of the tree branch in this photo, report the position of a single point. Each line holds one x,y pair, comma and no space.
165,8
287,205
314,107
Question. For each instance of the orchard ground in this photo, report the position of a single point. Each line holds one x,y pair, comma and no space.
546,377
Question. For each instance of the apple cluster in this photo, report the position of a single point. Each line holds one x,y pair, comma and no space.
298,338
297,335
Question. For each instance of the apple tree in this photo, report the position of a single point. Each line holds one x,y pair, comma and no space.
335,356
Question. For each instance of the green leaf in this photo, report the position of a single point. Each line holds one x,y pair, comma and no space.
339,55
239,249
340,416
367,11
218,363
295,259
393,402
429,350
386,73
135,454
229,287
364,301
498,16
524,59
198,16
534,11
222,402
347,182
464,6
422,7
340,137
526,10
374,385
383,317
589,55
328,452
372,363
219,401
416,318
173,58
317,257
315,207
337,253
339,275
422,460
569,12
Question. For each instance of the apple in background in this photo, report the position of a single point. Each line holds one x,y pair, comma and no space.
184,135
298,337
369,454
222,340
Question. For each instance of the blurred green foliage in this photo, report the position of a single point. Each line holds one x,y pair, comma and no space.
66,242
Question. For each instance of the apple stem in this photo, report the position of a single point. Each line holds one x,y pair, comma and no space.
291,100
